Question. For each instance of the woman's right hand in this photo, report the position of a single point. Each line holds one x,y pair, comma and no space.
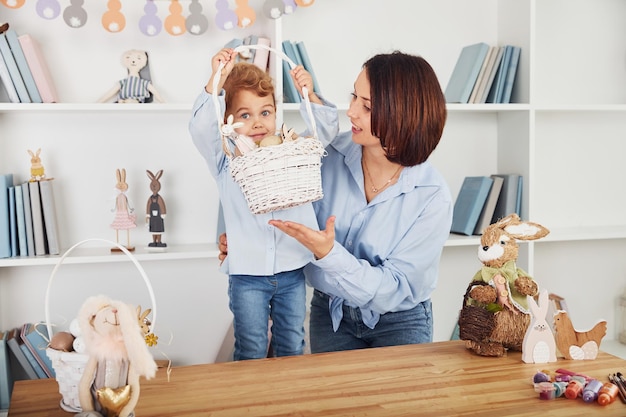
222,245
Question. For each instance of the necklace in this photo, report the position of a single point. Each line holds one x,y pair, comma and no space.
374,189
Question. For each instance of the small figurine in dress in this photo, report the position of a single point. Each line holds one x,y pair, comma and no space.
155,211
37,172
124,217
137,87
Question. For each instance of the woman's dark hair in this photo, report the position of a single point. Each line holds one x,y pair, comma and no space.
408,106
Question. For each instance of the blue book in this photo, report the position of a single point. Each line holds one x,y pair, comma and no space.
6,181
14,71
35,338
511,72
469,204
465,73
20,220
289,88
28,219
509,196
306,63
6,379
520,190
25,368
13,222
22,65
501,76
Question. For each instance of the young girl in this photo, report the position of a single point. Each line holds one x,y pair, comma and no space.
265,267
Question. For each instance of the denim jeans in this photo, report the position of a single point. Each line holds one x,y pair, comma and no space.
397,328
254,299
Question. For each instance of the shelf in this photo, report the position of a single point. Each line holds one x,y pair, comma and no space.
91,255
93,107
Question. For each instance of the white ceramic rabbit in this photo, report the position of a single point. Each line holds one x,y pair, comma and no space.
539,345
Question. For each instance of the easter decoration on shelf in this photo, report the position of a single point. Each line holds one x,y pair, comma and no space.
150,24
273,9
538,345
124,216
117,358
245,14
37,171
225,18
48,9
574,344
113,20
156,211
495,313
137,87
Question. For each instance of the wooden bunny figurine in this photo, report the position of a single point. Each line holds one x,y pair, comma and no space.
539,345
156,211
500,287
124,217
37,172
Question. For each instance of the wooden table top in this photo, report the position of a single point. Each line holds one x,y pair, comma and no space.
437,379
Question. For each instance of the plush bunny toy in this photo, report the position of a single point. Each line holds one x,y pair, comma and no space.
500,288
118,357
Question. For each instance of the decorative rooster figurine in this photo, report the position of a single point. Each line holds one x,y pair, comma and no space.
574,344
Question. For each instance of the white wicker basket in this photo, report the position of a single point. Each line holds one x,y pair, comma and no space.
280,176
69,366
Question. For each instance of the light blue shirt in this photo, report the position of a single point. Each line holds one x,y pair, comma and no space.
386,253
254,246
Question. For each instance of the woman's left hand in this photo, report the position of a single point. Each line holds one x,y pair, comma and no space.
319,242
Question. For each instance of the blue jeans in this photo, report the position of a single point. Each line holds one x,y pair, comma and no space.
254,299
398,328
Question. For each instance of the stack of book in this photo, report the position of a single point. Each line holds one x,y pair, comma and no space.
28,219
296,51
23,356
485,200
484,74
23,70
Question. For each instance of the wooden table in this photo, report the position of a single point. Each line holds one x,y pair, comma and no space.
438,379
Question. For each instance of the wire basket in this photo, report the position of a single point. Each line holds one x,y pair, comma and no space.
280,176
69,366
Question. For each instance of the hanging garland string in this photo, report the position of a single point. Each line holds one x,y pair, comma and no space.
150,24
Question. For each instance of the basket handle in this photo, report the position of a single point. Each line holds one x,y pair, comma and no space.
216,104
120,247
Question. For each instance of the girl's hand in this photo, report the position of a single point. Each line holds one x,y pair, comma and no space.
319,242
302,78
227,56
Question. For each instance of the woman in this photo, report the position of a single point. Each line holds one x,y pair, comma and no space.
387,213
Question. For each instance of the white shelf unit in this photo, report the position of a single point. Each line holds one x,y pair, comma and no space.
563,132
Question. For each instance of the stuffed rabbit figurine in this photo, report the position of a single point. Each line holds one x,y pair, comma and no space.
498,290
539,345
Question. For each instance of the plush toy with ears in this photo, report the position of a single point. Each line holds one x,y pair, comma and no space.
499,290
118,357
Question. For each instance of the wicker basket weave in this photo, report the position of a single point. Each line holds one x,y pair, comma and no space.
280,176
475,322
69,366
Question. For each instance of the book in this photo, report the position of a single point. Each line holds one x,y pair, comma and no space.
21,221
290,50
507,202
492,75
495,96
482,77
12,222
469,203
16,351
6,181
7,82
14,71
28,220
465,73
39,234
511,72
22,65
48,207
35,338
486,213
39,68
6,380
306,63
262,55
31,359
289,88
